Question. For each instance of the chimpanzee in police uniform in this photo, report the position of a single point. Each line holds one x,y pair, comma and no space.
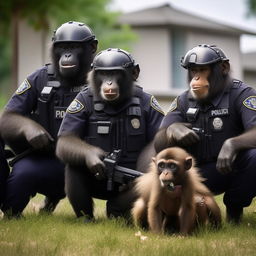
4,171
216,121
32,117
112,113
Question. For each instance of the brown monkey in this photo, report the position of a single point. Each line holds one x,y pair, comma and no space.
172,194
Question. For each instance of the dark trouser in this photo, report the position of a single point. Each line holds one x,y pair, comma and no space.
239,186
81,186
31,175
4,172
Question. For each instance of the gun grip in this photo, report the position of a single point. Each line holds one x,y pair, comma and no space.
109,184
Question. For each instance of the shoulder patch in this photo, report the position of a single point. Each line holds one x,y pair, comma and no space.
25,85
173,106
250,102
155,105
75,107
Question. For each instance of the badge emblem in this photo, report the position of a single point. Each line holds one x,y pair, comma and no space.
250,102
217,123
135,123
173,106
154,104
75,106
23,87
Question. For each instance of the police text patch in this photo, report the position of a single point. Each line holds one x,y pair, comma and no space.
173,106
154,104
23,87
250,102
75,106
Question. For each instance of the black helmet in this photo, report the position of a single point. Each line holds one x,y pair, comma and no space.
203,54
113,59
73,31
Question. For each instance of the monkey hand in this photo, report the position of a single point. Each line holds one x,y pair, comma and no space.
226,157
38,137
181,134
94,162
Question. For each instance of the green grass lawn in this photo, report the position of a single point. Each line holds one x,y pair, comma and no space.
63,234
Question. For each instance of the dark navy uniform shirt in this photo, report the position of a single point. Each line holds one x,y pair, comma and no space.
229,114
25,100
128,127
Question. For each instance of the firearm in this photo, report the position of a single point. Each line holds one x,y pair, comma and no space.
116,173
198,130
29,151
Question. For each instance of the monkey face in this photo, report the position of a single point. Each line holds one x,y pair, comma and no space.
167,170
110,80
199,84
172,165
71,59
112,86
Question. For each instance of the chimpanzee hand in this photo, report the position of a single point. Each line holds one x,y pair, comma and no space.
94,162
38,137
182,134
226,157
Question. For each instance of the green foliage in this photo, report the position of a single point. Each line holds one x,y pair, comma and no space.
251,4
62,234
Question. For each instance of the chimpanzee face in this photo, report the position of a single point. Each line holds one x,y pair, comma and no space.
199,81
207,81
112,86
72,58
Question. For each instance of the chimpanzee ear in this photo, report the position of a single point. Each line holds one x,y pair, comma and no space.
136,72
225,67
94,45
188,163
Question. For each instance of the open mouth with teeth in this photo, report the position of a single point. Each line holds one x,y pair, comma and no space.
169,185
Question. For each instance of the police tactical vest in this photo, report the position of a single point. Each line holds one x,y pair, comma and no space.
117,128
213,124
53,102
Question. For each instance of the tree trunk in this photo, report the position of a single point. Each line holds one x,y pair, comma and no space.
15,43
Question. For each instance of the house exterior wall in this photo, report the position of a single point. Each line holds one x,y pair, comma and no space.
152,53
250,78
32,50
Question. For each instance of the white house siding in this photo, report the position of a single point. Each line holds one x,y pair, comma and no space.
32,52
152,52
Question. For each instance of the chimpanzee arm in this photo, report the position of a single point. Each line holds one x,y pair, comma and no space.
176,134
14,126
232,146
73,151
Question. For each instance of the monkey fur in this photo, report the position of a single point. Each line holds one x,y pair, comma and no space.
171,195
